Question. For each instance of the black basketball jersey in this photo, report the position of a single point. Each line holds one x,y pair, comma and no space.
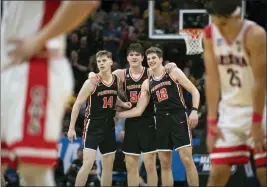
133,90
167,95
101,103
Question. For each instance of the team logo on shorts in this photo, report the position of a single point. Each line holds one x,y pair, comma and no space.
36,109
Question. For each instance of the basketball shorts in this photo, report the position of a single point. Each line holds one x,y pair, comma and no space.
140,136
235,124
100,133
173,132
33,98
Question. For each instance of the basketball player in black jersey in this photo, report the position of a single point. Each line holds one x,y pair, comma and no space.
140,132
99,123
173,126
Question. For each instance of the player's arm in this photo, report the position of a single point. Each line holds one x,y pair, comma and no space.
121,96
69,15
141,104
181,78
121,92
212,86
256,45
84,93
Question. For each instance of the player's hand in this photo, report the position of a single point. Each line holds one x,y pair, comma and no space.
72,135
214,133
24,49
193,119
127,105
94,79
258,137
168,67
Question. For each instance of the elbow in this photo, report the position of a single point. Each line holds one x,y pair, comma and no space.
139,113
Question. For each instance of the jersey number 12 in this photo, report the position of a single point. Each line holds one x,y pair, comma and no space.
162,94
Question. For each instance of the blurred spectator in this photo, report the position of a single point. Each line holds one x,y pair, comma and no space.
112,41
79,71
114,16
84,52
73,43
99,18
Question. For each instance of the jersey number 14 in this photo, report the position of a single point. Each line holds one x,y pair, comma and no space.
108,102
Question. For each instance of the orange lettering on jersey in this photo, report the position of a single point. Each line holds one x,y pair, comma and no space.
135,86
166,83
107,92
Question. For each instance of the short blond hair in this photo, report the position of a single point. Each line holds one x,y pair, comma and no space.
104,53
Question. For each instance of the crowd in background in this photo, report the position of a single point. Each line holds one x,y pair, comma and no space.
113,27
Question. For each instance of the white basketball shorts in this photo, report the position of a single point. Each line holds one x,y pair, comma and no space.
33,96
235,124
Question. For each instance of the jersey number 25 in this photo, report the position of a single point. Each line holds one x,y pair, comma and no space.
234,78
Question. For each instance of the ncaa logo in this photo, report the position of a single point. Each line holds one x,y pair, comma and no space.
219,42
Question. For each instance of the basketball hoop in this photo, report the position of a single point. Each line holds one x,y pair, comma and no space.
193,40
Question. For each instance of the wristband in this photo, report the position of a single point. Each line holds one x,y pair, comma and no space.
256,118
212,121
194,108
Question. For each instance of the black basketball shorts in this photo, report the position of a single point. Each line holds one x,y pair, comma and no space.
140,136
100,133
173,132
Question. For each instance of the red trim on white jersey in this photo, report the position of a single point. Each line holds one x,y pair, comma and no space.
208,31
37,77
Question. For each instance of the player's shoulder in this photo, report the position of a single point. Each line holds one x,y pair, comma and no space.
255,31
119,73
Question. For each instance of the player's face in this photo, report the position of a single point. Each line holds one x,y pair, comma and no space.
135,59
154,61
104,63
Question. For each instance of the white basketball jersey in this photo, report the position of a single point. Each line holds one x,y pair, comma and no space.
234,67
24,18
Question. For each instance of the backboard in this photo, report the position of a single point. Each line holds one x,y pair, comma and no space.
177,15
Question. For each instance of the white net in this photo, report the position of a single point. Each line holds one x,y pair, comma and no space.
193,39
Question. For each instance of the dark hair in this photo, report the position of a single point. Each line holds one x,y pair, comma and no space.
222,7
135,47
104,53
155,50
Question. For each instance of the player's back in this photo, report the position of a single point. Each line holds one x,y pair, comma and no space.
236,77
25,18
